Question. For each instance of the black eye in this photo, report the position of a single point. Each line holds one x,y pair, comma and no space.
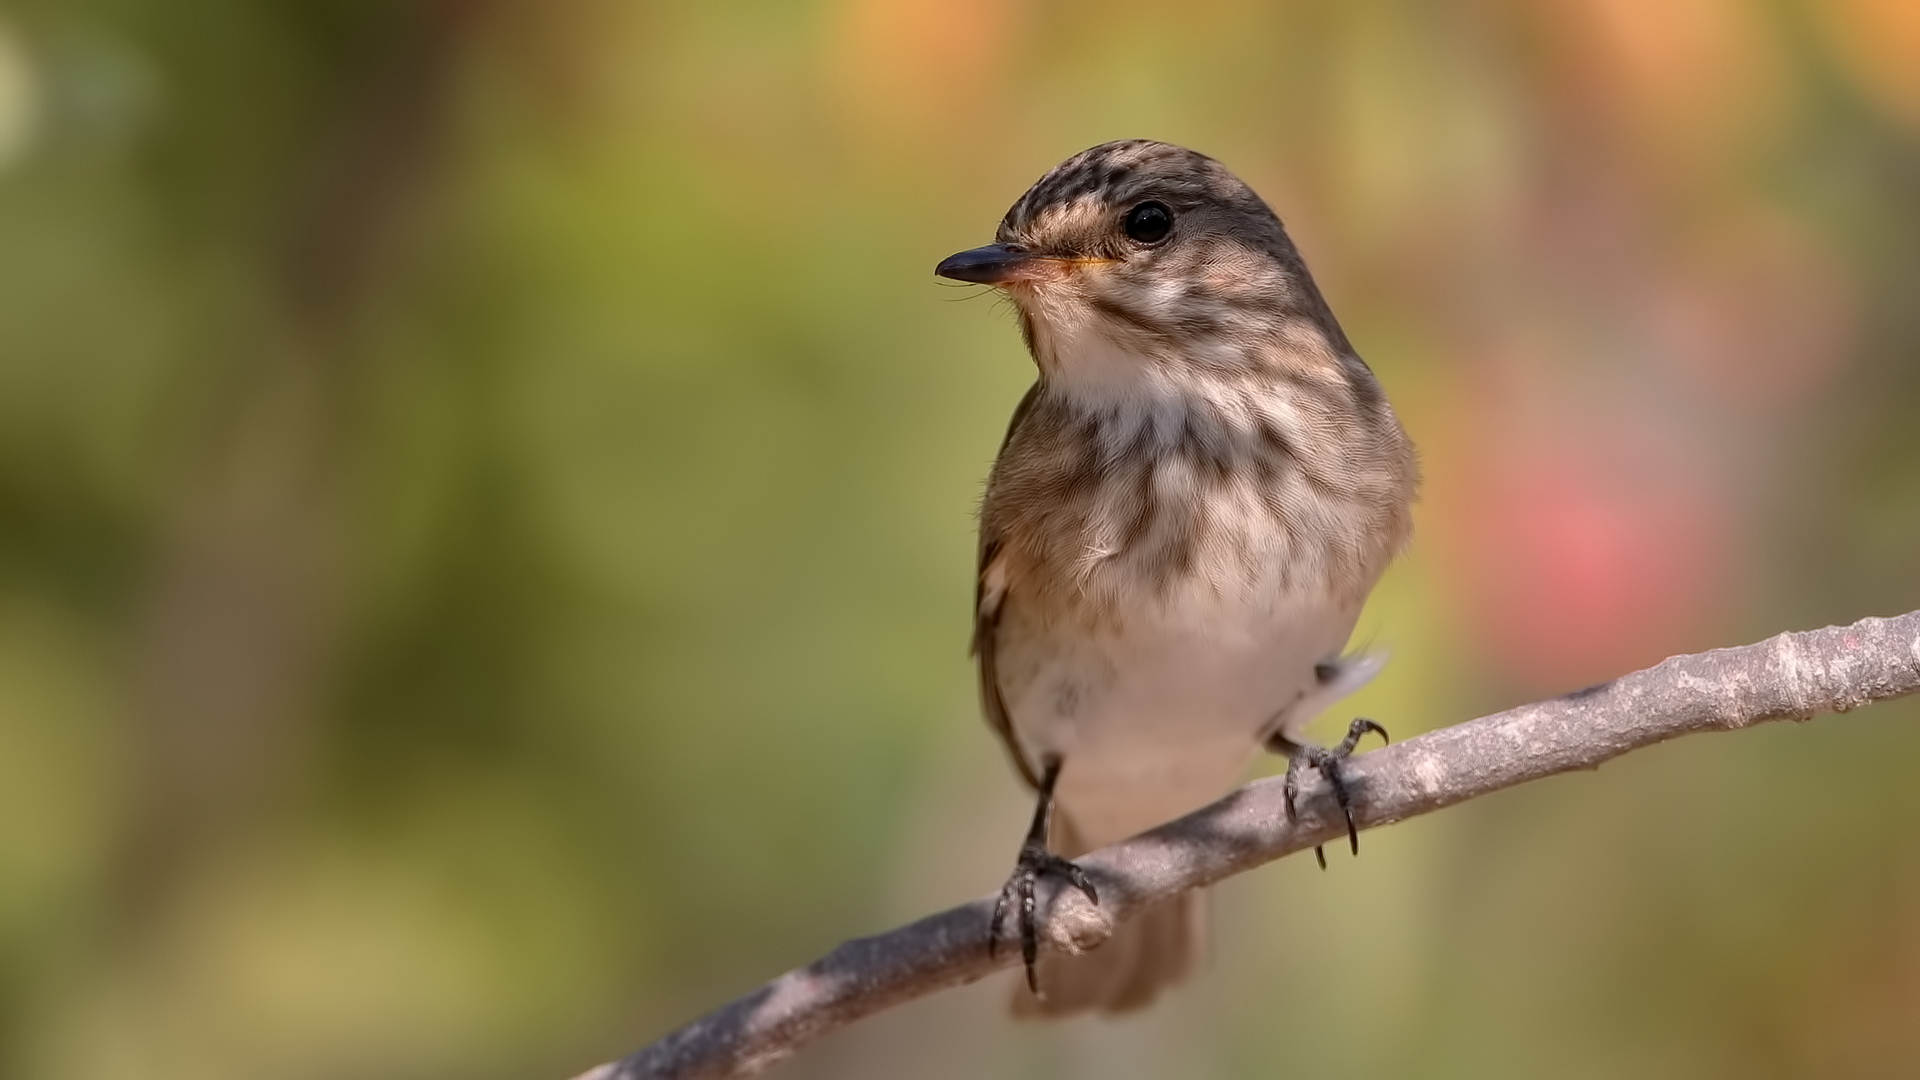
1149,223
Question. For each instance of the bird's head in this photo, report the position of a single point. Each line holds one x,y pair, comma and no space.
1137,261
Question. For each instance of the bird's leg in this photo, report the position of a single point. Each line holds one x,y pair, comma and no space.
1034,861
1307,756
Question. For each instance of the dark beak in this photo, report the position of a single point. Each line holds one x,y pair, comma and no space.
995,264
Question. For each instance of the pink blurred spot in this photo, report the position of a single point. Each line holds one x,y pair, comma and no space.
1580,564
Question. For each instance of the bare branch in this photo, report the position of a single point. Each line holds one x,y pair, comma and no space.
1792,676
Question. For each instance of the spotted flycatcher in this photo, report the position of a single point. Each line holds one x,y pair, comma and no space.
1190,507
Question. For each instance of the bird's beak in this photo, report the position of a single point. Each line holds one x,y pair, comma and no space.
997,264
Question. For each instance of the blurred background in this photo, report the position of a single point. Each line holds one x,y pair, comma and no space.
485,520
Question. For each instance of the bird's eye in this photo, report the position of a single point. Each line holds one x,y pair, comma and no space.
1149,223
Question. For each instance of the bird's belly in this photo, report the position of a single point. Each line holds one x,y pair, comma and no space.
1162,715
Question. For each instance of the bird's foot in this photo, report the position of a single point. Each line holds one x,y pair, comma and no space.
1018,895
1330,763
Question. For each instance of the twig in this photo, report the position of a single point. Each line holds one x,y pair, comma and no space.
1792,676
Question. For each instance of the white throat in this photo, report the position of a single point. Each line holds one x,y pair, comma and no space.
1087,360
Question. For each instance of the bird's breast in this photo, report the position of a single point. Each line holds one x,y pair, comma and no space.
1170,582
1104,514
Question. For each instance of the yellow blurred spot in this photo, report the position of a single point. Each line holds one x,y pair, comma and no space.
19,97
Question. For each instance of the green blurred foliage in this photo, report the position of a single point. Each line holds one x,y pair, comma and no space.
485,542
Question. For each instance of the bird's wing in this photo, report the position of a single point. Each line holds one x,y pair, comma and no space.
989,596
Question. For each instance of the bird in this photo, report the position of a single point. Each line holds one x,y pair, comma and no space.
1188,510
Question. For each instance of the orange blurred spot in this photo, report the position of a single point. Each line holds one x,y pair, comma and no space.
1689,81
1880,43
900,64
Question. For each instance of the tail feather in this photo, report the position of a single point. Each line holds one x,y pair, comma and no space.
1336,679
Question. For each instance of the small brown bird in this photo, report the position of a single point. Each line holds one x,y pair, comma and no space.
1190,507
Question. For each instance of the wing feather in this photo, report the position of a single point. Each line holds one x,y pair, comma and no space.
989,597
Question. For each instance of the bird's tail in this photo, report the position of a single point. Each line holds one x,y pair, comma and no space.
1155,948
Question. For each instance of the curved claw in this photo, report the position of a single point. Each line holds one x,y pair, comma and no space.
1357,731
1081,881
1029,934
1330,768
